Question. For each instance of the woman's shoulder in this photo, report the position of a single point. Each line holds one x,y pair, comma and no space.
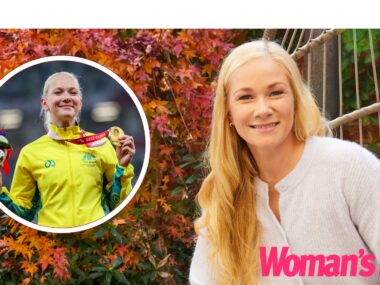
332,142
37,144
34,149
336,144
342,150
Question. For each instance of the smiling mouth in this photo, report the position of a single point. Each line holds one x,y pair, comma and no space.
264,126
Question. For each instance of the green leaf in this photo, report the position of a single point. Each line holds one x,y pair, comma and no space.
188,157
198,165
120,277
143,266
74,258
191,179
95,275
79,272
116,264
128,33
374,120
109,245
100,233
145,278
99,269
108,278
183,165
115,234
177,190
153,275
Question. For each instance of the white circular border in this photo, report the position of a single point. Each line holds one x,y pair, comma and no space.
146,155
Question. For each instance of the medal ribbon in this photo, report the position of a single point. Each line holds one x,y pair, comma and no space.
89,141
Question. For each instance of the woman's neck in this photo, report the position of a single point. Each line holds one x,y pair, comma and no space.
274,164
63,124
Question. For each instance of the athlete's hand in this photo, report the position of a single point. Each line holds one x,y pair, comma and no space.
126,150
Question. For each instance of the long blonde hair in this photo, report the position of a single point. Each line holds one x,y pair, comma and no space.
228,196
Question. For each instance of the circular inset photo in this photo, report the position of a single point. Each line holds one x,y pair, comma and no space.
74,144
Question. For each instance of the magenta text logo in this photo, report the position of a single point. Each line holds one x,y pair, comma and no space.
276,264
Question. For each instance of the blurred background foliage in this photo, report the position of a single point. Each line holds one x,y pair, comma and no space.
366,84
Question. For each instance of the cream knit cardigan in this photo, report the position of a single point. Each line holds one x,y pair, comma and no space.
329,204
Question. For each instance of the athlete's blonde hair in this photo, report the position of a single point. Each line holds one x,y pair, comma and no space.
46,115
228,196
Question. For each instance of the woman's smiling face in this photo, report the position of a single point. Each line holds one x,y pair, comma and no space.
261,104
63,99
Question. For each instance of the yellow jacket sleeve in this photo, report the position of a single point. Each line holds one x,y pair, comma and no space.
119,179
21,200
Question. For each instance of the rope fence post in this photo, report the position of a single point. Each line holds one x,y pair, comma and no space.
324,81
269,34
324,37
285,37
340,83
357,87
309,60
292,40
355,115
374,73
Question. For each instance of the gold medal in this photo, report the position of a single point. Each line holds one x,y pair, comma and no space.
114,135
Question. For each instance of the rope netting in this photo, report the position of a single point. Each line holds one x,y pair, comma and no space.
351,53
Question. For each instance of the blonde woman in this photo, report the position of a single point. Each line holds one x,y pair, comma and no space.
278,181
63,179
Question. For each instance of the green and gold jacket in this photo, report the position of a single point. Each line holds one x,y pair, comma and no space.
60,184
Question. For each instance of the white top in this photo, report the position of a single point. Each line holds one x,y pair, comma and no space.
329,204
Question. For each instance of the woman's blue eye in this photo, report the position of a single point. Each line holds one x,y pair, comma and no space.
245,97
276,93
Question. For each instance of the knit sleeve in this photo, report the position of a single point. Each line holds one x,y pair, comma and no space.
201,272
362,190
118,179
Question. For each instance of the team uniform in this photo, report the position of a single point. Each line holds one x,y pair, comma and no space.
61,184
